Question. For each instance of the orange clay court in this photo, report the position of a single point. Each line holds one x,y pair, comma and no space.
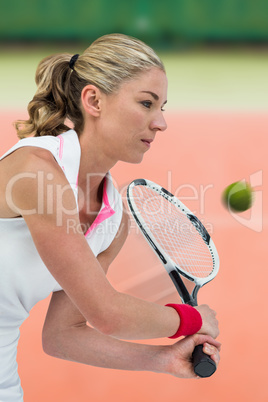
196,158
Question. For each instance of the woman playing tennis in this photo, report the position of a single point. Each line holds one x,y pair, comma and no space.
62,221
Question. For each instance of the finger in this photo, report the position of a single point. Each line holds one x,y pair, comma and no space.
200,339
212,351
209,349
216,358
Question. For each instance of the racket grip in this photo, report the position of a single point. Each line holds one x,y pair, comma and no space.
204,366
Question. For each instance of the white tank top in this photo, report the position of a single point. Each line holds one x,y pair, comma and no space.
24,279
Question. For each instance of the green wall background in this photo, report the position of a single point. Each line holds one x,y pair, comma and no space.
156,21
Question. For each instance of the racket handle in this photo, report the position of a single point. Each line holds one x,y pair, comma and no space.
204,366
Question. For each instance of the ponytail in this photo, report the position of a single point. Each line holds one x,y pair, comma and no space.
51,104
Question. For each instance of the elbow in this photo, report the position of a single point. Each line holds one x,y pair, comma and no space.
109,326
47,345
47,349
50,344
110,320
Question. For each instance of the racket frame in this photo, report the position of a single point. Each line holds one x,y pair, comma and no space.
173,269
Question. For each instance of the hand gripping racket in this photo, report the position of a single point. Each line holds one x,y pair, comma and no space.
182,244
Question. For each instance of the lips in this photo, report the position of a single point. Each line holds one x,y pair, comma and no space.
147,142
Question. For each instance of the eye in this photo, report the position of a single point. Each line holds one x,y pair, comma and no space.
147,104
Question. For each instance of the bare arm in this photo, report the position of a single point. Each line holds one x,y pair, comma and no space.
66,336
71,261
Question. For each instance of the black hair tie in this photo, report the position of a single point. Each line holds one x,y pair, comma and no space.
73,60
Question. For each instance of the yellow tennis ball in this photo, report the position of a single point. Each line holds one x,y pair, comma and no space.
238,196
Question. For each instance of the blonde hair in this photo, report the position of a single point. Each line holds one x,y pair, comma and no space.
107,63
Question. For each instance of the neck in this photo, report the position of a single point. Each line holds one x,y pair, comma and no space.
94,165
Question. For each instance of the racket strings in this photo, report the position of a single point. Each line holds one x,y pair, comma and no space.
173,231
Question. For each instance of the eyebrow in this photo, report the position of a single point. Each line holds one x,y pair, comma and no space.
155,96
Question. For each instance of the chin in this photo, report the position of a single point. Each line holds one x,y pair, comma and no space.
135,160
132,157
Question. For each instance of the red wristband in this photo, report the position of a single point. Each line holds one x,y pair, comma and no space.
190,320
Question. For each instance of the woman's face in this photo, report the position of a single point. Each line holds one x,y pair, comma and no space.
131,117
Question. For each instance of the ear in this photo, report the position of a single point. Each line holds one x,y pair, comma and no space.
91,100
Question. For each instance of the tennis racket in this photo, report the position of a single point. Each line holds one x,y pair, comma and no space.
182,244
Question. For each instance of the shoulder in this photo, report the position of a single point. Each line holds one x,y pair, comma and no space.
32,162
29,159
25,174
25,161
32,155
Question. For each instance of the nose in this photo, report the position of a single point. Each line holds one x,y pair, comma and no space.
159,123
